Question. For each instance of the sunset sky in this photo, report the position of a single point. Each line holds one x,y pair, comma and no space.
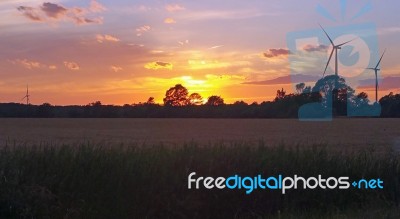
120,51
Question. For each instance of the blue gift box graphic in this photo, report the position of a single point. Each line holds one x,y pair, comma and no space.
309,54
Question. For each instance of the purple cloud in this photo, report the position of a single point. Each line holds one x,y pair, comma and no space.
387,83
272,53
48,12
53,10
289,79
313,48
30,13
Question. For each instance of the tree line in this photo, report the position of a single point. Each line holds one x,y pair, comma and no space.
178,103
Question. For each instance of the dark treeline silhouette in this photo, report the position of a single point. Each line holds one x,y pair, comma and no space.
178,103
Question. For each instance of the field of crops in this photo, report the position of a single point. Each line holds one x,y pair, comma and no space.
347,133
138,168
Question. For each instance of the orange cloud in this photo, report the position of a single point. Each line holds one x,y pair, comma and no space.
96,6
116,68
102,38
142,29
196,64
29,64
182,43
156,51
174,7
169,21
216,47
72,65
158,65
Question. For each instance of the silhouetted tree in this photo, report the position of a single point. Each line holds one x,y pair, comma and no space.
307,90
95,104
176,96
300,88
361,100
280,94
240,103
195,99
150,101
390,105
334,88
362,95
215,101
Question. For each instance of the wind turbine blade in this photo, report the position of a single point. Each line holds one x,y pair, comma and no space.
347,42
327,35
329,60
380,59
370,68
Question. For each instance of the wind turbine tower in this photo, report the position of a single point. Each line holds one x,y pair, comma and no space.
376,69
27,95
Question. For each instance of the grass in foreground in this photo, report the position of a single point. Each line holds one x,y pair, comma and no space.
91,181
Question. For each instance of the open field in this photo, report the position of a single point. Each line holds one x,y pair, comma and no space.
344,132
151,182
127,168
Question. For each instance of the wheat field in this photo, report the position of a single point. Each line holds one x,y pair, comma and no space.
344,132
138,168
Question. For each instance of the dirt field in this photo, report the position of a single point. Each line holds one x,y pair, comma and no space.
344,132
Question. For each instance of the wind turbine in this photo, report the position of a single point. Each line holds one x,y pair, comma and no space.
334,50
27,95
376,69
